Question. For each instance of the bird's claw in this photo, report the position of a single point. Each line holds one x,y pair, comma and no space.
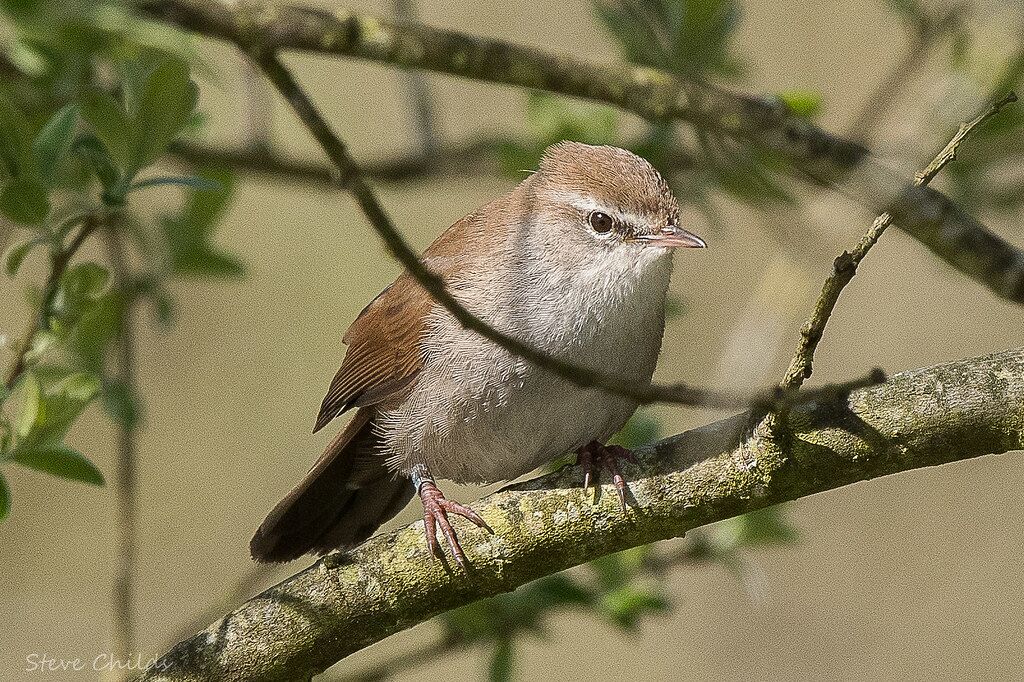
594,456
435,514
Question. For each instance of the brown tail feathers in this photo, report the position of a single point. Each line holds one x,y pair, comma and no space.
343,499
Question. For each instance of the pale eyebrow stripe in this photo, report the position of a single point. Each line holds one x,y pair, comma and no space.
586,204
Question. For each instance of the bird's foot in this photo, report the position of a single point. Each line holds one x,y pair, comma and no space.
435,514
594,456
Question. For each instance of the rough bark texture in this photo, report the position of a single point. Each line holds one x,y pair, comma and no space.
924,213
347,601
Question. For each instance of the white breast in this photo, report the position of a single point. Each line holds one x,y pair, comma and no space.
478,414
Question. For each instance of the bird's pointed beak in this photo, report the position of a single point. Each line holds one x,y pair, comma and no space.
672,237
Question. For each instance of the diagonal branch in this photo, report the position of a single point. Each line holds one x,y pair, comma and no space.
350,177
926,214
347,601
845,265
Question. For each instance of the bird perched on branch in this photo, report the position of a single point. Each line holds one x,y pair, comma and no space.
575,261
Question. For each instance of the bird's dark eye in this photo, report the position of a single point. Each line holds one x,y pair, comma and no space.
601,222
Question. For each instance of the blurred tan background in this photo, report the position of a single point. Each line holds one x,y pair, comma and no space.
914,577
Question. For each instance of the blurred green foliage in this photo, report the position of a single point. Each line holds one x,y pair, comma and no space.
91,98
690,38
188,234
552,119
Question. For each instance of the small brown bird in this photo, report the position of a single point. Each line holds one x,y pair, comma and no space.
575,261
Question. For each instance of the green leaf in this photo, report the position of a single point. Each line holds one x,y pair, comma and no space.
25,200
61,461
53,142
80,287
165,101
675,306
98,323
559,589
42,341
687,37
94,153
910,10
768,527
188,234
121,404
551,120
30,404
625,606
803,103
112,126
59,406
760,528
87,279
618,569
192,181
5,498
17,254
502,659
80,387
641,429
163,306
15,150
135,74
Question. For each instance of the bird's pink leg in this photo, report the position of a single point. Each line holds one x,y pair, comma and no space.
436,508
594,456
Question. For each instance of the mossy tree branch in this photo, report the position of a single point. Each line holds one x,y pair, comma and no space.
347,601
926,214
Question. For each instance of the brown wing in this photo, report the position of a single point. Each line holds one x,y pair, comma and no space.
383,350
383,343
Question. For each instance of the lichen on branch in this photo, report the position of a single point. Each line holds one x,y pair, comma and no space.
347,601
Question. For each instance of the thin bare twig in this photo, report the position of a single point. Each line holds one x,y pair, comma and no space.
470,158
845,265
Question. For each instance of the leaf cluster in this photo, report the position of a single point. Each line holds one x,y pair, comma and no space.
92,98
